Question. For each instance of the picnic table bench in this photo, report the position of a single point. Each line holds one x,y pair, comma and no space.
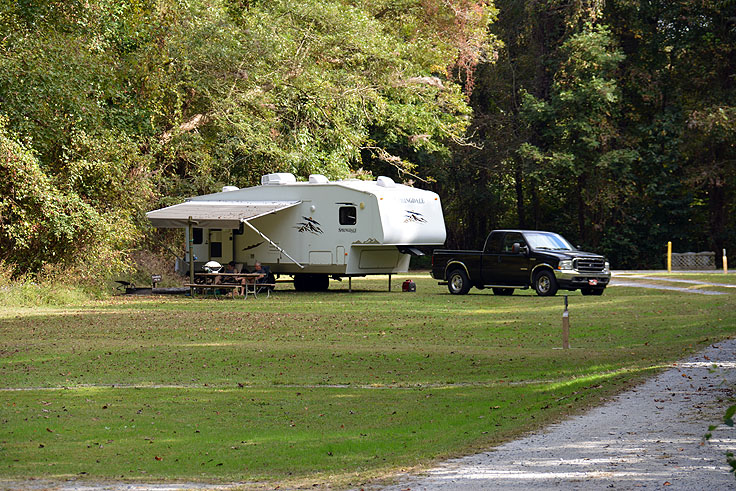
212,287
252,286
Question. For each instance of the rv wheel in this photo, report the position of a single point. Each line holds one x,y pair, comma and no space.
305,282
320,282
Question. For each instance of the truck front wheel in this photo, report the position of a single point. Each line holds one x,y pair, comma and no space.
545,283
458,282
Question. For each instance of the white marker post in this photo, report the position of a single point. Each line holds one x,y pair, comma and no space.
565,327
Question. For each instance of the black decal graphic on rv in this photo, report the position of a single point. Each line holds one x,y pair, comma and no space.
252,246
309,225
413,216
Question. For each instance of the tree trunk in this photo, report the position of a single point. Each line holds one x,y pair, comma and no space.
581,208
519,179
717,214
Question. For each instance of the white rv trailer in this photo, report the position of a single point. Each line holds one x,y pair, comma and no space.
311,230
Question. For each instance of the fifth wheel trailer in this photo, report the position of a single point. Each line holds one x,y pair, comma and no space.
312,230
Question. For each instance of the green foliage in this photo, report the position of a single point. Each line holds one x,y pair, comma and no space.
40,223
609,122
577,132
125,106
728,421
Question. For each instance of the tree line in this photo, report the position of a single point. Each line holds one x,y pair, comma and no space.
610,122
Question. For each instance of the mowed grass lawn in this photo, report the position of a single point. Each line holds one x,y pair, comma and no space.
310,388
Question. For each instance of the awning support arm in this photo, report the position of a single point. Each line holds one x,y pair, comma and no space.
190,224
272,243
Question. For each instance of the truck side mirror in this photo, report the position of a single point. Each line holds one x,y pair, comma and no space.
519,249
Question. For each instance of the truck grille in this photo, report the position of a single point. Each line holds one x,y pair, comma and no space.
589,264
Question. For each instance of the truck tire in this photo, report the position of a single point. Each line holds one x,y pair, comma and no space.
545,283
458,282
504,292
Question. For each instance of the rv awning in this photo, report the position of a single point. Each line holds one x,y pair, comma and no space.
214,214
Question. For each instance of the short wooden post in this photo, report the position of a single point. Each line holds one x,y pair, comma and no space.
350,284
725,262
565,327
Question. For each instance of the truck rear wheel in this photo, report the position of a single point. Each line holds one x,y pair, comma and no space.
458,282
545,283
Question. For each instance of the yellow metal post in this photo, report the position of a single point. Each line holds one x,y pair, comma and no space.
669,257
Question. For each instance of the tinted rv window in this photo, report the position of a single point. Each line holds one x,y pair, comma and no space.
197,235
348,215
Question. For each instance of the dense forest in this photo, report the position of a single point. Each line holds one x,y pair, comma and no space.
612,122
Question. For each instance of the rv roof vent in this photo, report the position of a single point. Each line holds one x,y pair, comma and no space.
317,179
226,189
278,178
385,182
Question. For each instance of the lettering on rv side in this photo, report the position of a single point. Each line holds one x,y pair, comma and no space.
412,201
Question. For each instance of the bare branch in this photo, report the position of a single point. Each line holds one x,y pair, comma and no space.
197,121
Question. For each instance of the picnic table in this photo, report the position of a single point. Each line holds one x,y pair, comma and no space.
206,281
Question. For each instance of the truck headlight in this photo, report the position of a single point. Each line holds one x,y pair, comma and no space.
566,264
607,266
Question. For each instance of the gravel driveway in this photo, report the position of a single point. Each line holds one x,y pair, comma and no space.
649,437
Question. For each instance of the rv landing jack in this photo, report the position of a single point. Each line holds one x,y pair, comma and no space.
350,283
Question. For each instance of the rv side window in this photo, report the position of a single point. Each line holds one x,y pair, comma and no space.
348,215
197,235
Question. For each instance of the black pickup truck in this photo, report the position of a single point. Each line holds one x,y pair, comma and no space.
513,259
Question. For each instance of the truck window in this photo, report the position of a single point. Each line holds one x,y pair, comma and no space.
510,239
348,215
493,244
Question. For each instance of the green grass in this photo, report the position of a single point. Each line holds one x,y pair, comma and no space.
312,388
